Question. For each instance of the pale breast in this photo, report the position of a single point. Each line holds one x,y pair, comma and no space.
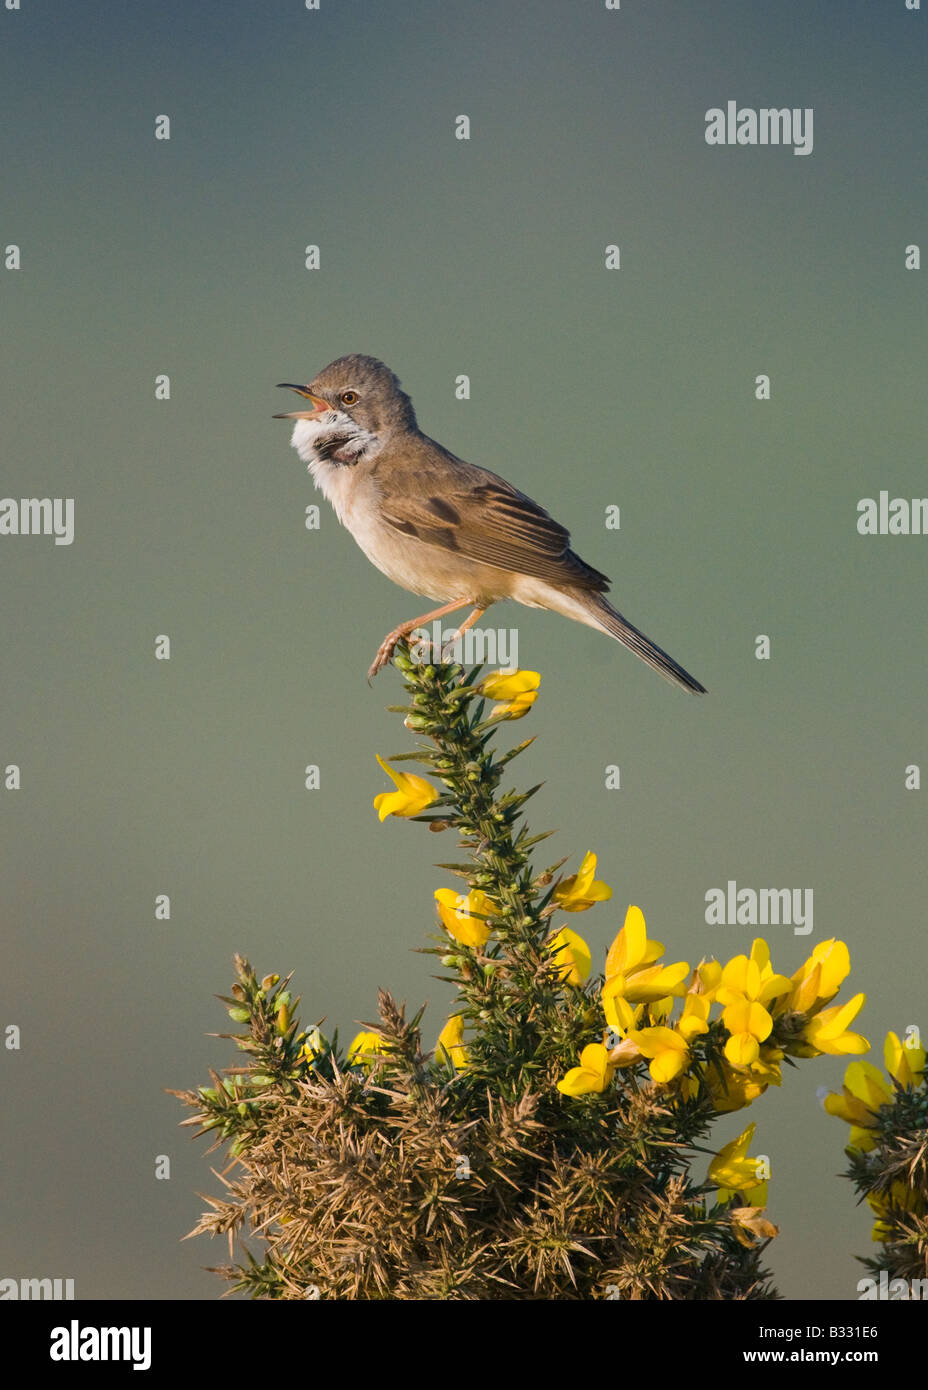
353,491
423,569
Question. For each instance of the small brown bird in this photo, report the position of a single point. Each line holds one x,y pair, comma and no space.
437,525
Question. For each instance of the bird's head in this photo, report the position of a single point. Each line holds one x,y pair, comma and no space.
355,390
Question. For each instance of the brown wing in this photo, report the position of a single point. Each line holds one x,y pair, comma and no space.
488,520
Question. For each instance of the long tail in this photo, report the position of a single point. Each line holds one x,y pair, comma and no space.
604,616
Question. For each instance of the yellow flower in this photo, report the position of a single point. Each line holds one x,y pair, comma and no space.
751,977
620,1015
412,794
749,1025
643,987
695,1016
659,1010
904,1064
572,955
706,979
518,690
450,1047
667,1049
733,1172
746,985
818,980
863,1093
631,950
365,1043
827,1031
734,1089
632,974
457,914
581,890
900,1198
593,1074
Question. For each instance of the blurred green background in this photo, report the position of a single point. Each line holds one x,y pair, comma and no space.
589,388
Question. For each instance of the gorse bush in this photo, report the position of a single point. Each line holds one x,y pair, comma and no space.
554,1143
888,1159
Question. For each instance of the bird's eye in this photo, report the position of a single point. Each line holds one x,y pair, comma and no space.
349,398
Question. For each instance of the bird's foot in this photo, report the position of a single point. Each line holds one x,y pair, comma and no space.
386,649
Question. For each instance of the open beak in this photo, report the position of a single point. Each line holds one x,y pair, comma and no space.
319,405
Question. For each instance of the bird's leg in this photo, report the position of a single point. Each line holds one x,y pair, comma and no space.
387,646
468,622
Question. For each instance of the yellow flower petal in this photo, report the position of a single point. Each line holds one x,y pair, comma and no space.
631,947
508,685
412,794
651,984
365,1042
905,1064
746,1016
518,691
572,955
733,1171
669,1052
450,1046
578,1082
695,1017
593,1074
457,910
619,1013
706,979
581,890
818,979
865,1082
827,1031
742,1049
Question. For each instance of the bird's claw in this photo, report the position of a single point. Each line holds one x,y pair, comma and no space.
379,662
384,653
